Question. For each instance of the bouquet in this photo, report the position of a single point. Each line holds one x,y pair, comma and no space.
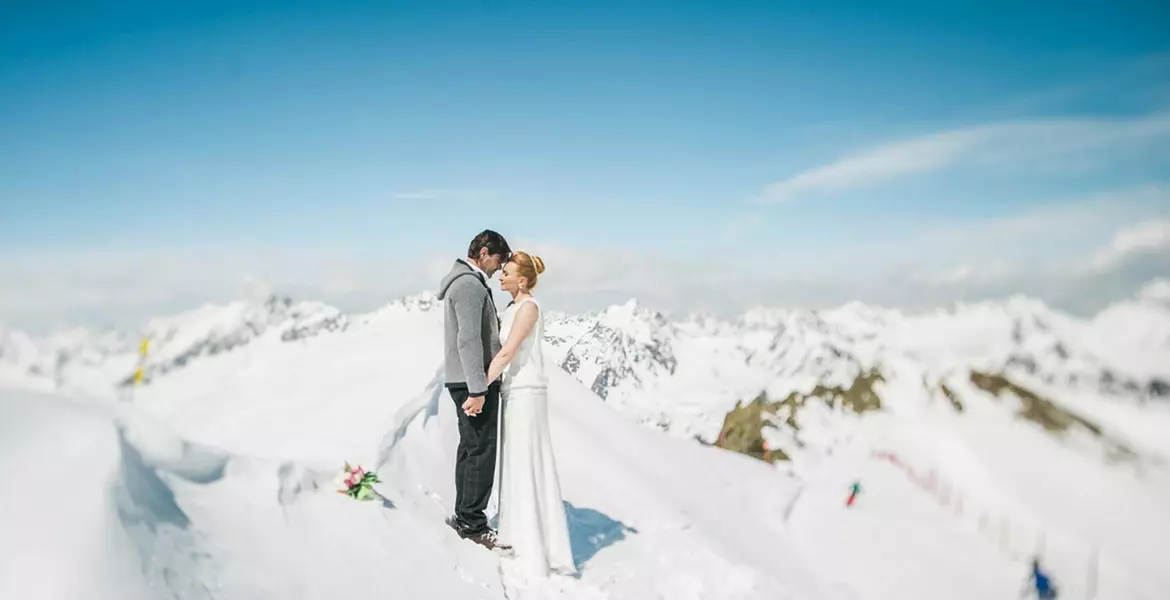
358,484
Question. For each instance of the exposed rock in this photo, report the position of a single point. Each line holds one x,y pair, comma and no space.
1054,418
743,426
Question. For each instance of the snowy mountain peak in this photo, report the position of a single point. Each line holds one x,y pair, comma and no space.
1123,353
628,312
1017,305
221,327
1135,334
212,329
616,348
630,305
99,361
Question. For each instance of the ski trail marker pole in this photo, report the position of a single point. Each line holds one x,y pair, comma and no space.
139,373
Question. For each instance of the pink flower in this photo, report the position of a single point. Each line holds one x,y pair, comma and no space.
353,477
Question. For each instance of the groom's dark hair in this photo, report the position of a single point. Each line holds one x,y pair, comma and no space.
494,242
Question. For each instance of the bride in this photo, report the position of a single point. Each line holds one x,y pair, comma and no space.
532,515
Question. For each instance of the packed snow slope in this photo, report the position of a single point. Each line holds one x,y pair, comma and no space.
981,435
216,481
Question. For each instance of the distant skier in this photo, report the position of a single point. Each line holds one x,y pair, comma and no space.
1041,583
856,489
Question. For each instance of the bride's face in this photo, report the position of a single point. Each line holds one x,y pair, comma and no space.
509,280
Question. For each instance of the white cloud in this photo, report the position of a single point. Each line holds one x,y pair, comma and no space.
886,162
1045,252
123,288
969,256
1150,237
1031,144
455,195
1065,254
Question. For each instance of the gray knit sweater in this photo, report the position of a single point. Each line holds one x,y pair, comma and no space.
471,328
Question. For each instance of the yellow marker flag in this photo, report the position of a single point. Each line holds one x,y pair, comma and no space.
138,376
145,344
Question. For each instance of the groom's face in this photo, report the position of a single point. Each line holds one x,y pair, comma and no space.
490,263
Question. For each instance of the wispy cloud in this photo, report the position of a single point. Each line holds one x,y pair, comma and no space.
1047,252
123,288
1077,255
900,158
453,195
1150,237
991,145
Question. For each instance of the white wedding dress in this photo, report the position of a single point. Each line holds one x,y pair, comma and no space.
532,515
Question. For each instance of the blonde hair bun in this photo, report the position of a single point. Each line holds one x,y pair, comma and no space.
528,266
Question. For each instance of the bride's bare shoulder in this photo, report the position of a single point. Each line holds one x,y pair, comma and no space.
528,308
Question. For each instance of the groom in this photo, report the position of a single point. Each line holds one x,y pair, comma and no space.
471,330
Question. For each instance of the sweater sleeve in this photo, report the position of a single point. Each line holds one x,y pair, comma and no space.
468,297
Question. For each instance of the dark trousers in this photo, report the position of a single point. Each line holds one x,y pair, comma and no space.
475,459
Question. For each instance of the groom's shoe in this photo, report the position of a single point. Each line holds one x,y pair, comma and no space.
490,540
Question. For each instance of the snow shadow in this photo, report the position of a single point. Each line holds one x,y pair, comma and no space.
172,555
147,499
590,531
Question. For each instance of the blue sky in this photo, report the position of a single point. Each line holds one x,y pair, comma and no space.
665,150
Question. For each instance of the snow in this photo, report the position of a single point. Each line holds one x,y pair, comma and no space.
682,376
215,478
227,464
1092,513
1136,332
101,363
62,537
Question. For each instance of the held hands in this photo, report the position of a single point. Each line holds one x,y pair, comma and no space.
473,406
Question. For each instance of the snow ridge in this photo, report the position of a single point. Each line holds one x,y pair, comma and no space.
99,362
